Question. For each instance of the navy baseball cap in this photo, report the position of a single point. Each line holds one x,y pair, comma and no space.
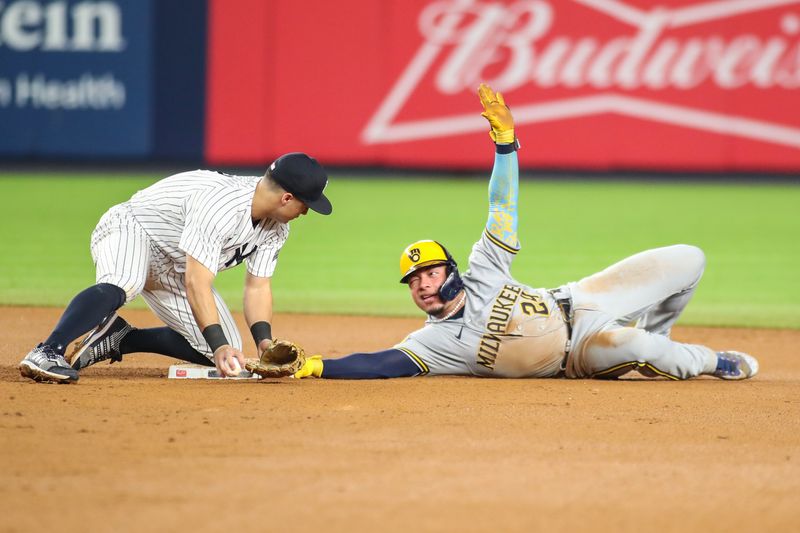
305,178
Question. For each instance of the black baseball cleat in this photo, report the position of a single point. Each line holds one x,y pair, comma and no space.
44,364
101,343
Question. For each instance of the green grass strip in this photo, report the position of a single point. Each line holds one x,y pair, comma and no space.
348,263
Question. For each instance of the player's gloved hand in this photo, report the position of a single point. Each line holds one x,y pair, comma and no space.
311,368
280,359
498,114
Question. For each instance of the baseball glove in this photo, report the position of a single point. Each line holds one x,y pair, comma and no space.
498,115
278,360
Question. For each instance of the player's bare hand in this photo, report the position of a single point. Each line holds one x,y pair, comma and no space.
228,360
263,345
498,114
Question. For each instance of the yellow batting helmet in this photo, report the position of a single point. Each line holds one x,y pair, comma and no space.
422,254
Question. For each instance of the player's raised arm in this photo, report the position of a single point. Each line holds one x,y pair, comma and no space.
501,226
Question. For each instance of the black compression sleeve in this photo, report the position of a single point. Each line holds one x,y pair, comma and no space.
391,363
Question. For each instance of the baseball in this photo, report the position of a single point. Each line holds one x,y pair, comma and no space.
234,365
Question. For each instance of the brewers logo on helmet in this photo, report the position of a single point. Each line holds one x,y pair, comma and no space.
422,254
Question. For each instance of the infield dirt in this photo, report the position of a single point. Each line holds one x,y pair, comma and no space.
127,450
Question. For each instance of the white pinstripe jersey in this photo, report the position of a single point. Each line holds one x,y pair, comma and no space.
206,215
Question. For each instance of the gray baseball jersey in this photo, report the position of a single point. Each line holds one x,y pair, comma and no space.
508,329
623,317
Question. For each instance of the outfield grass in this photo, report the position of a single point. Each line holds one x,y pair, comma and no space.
348,263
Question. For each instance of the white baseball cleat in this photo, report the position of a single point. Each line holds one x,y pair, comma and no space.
735,365
44,364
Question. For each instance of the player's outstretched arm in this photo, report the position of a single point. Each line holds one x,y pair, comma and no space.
501,225
391,363
199,280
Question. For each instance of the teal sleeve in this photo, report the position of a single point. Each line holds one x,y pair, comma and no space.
503,193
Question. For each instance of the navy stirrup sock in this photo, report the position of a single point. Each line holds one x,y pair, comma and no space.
164,341
84,312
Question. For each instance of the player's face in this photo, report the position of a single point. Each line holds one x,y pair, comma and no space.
424,286
290,209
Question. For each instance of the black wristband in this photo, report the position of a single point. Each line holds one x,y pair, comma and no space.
260,331
215,337
507,148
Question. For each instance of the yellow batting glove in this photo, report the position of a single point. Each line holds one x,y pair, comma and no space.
311,368
498,114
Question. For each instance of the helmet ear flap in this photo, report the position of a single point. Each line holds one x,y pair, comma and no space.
453,284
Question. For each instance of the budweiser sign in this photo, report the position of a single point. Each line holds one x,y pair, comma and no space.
679,63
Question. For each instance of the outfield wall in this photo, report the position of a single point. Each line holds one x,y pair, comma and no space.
684,85
90,80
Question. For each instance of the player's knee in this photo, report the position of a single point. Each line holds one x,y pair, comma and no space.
112,293
692,257
131,292
128,290
130,287
687,259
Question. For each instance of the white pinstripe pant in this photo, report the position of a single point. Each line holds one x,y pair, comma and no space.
125,256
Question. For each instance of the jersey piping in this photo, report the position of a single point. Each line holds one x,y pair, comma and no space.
417,361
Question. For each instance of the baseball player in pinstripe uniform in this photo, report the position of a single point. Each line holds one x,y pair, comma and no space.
167,243
488,324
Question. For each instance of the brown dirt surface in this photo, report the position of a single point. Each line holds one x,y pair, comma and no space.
126,449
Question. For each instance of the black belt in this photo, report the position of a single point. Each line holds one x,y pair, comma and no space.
564,302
